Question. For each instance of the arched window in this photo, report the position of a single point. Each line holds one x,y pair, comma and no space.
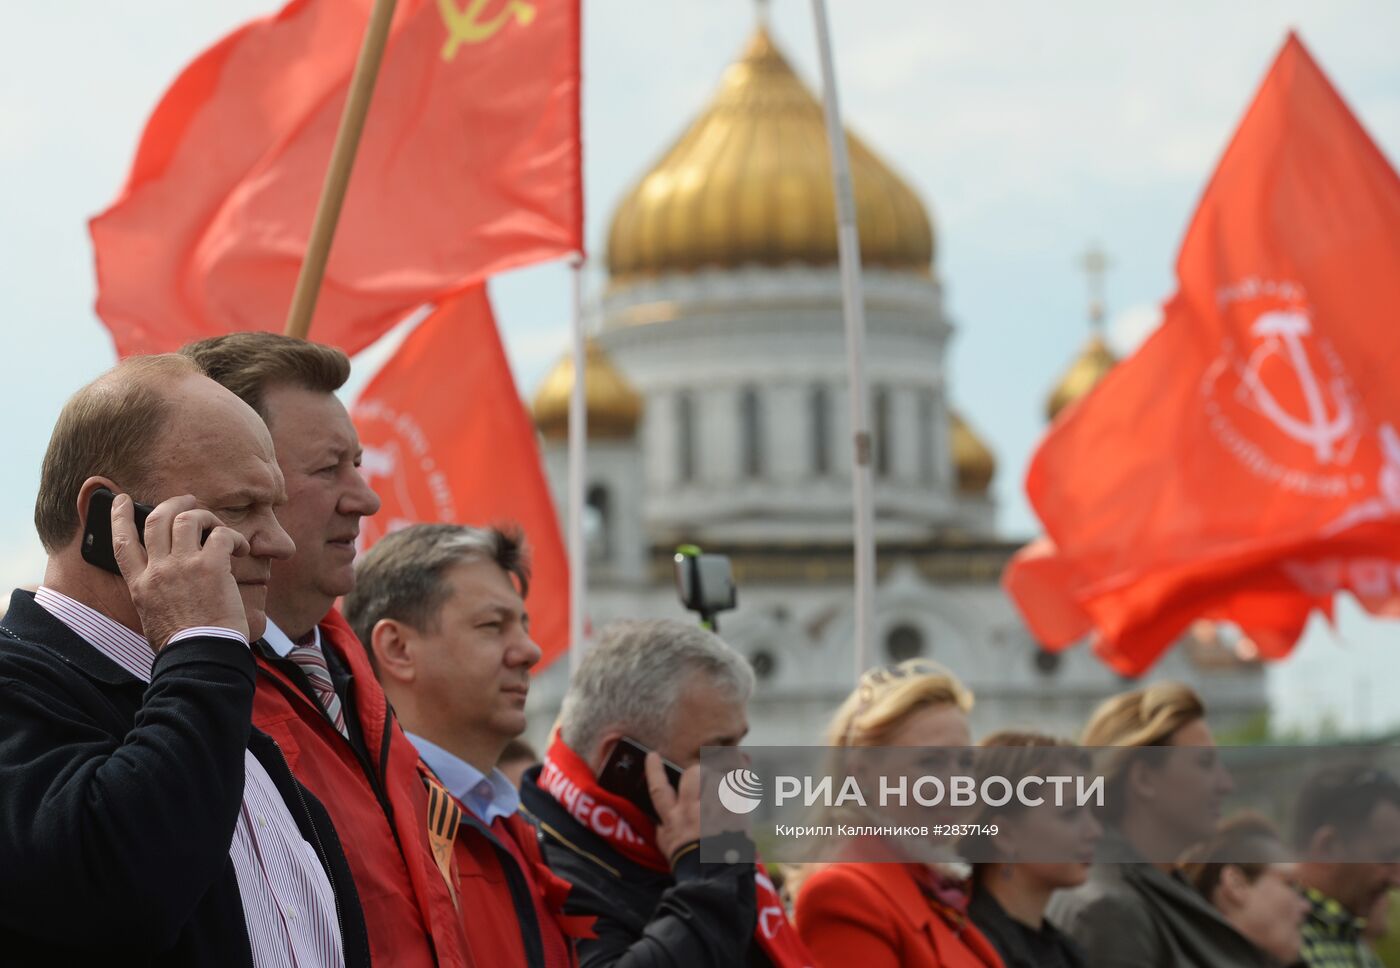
927,434
880,424
904,641
597,523
1047,663
685,436
750,433
819,422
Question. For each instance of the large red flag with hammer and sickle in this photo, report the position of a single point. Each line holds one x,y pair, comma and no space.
469,165
447,439
1244,465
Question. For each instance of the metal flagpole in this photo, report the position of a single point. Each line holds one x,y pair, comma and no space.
853,300
578,441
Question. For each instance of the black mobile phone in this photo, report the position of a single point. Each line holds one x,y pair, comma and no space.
97,532
625,774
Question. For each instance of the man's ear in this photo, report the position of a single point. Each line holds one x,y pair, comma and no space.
604,750
392,643
85,496
1230,891
1324,844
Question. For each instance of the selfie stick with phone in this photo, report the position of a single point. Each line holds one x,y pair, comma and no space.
705,584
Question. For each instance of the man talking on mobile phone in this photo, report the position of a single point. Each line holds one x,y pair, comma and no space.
142,820
672,688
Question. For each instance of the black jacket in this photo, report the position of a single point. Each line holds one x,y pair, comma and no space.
700,916
118,802
1019,945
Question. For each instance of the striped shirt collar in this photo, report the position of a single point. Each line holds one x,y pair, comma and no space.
126,648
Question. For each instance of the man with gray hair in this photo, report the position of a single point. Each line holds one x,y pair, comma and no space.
672,688
441,610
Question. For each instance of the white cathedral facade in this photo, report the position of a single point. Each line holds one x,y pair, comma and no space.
717,415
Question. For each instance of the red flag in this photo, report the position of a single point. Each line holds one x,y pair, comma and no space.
469,164
1244,465
446,438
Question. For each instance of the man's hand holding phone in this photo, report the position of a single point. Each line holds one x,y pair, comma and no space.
679,809
175,582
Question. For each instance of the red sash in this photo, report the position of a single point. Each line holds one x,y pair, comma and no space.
568,779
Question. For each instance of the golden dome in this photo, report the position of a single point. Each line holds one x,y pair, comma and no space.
973,460
614,407
750,182
1091,366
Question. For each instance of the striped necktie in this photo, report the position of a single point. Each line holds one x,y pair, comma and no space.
313,663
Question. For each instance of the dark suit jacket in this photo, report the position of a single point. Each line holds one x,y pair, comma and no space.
118,802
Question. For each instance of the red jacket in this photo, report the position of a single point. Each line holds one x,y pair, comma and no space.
506,913
875,916
408,907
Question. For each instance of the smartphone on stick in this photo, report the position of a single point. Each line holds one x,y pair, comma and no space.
705,584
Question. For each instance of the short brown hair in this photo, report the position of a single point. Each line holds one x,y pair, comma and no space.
249,364
1014,755
109,428
1247,841
401,577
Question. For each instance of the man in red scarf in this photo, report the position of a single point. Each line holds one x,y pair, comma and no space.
673,688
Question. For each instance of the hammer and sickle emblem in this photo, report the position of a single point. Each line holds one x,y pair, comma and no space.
1323,429
465,26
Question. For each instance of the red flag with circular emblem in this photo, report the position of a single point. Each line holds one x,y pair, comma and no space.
447,439
1244,464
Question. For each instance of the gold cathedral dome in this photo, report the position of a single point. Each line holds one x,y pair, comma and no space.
749,182
613,406
1091,366
973,460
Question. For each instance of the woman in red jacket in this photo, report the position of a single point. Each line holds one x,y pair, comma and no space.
891,915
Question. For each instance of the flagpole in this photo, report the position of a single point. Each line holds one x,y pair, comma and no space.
853,301
347,142
578,441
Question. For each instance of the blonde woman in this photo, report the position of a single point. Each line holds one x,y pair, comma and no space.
894,915
1135,911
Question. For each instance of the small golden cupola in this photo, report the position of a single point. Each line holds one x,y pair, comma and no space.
973,461
749,183
1095,359
1091,366
613,406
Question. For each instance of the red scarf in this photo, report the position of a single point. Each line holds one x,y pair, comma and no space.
568,779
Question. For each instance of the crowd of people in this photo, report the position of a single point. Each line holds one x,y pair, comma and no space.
205,762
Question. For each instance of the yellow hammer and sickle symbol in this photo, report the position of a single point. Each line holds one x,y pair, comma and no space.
466,27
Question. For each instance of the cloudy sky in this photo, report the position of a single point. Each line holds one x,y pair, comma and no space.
1031,130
